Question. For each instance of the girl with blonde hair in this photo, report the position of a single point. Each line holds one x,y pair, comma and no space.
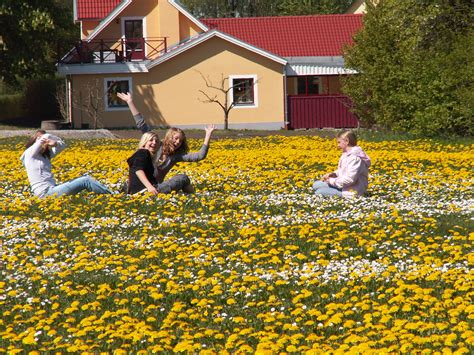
174,149
351,177
140,164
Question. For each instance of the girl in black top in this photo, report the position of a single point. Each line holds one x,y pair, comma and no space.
141,165
173,150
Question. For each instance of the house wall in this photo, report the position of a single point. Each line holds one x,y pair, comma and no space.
87,27
187,28
141,8
169,22
169,94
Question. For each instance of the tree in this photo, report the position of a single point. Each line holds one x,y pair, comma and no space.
30,30
93,103
223,103
253,8
415,65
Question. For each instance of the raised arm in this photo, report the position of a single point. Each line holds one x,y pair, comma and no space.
209,129
137,116
56,144
202,153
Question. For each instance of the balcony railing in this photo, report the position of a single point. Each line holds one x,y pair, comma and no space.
115,51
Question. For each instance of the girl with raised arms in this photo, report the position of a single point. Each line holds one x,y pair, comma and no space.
173,149
40,149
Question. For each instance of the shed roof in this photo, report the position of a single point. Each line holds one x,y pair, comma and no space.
293,36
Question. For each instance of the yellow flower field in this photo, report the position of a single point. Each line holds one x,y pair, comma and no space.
253,261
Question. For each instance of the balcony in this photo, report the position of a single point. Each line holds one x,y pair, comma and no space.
115,51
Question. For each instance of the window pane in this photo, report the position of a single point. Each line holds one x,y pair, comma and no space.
302,85
243,91
313,85
133,29
113,87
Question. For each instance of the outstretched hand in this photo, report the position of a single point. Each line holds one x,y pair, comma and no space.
127,97
48,142
209,129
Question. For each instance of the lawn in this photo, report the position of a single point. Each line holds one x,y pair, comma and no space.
253,261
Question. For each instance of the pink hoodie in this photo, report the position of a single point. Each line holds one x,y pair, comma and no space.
352,174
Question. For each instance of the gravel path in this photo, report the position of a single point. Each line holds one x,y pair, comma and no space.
190,133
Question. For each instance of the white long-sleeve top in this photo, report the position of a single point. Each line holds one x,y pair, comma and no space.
38,167
352,174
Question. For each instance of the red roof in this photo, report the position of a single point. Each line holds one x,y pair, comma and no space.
293,36
95,9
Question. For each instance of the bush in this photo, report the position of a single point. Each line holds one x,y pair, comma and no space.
11,106
40,99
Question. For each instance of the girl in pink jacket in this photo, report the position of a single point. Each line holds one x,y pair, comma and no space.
352,174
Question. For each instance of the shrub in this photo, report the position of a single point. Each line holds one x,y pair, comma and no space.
11,106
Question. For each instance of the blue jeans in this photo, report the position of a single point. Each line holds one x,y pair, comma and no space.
74,186
322,188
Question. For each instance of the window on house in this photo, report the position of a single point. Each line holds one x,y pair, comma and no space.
112,87
134,33
243,91
308,85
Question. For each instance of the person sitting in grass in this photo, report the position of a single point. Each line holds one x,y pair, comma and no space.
140,164
173,149
40,149
351,177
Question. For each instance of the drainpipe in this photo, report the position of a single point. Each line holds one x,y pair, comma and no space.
69,99
285,99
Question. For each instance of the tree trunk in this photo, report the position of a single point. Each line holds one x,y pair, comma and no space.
226,120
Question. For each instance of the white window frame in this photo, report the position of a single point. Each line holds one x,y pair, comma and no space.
122,29
106,101
255,90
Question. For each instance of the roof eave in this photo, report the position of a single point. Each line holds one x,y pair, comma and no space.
186,13
113,68
110,17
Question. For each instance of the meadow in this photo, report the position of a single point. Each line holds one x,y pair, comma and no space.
252,262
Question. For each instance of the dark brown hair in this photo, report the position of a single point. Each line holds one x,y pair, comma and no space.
45,149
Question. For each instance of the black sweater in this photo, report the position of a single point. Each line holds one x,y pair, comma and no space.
140,160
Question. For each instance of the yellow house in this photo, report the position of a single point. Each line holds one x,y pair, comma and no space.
172,63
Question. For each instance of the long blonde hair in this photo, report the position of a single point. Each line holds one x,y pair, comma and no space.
146,137
168,147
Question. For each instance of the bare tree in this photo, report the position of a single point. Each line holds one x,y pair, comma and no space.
223,103
62,100
93,102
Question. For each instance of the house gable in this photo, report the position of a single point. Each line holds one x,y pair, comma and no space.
172,20
183,47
